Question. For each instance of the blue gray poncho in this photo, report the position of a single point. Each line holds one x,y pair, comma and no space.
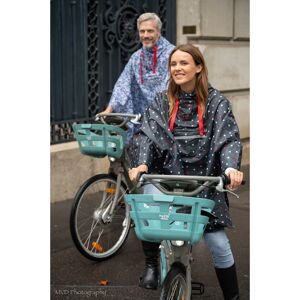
142,78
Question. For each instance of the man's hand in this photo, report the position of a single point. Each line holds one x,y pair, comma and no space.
134,172
108,110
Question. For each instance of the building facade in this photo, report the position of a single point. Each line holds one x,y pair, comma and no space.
221,30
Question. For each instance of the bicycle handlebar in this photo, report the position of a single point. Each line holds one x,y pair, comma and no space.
118,119
182,184
185,185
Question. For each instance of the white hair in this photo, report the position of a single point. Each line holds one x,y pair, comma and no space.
149,16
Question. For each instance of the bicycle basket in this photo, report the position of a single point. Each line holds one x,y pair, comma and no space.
156,217
99,140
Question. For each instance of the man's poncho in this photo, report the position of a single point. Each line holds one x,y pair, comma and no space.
220,148
140,80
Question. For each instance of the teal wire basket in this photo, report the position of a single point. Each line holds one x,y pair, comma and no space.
99,140
157,218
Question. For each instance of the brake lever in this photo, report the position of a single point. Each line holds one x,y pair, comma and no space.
221,189
136,119
99,118
231,192
224,181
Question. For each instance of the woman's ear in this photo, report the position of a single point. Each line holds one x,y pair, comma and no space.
199,68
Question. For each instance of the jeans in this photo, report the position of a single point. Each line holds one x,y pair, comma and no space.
219,247
217,241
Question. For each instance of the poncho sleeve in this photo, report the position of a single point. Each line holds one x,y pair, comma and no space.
121,99
146,150
151,140
227,137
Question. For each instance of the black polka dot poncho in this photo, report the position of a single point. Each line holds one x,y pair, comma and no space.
183,151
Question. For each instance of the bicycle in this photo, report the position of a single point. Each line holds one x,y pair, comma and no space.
177,221
99,220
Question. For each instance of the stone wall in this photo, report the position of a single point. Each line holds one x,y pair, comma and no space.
220,28
69,169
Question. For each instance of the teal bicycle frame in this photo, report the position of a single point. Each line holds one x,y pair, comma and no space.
165,218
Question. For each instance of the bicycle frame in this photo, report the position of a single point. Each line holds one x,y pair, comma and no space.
119,167
99,199
175,185
171,254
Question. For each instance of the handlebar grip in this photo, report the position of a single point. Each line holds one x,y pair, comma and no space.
226,180
138,180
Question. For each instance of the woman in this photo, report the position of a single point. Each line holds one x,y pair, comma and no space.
190,129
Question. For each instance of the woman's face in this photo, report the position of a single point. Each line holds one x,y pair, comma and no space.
183,70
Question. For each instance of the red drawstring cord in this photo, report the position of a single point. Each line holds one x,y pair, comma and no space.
141,66
154,59
173,117
200,119
153,63
174,113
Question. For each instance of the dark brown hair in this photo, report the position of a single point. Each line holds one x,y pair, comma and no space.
201,86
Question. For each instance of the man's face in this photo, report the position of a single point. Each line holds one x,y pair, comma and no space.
149,33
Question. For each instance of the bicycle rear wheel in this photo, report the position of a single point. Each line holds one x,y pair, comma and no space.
174,286
95,233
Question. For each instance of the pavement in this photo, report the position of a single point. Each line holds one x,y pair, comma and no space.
75,277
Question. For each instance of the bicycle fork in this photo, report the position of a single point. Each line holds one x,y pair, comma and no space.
107,213
179,254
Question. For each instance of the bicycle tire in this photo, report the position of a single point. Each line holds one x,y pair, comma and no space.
94,238
174,286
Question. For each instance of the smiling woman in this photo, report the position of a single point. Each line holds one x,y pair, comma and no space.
183,70
188,72
190,130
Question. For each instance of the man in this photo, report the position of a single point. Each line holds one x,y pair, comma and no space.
146,73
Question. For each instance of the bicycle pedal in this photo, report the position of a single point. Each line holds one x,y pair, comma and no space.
197,288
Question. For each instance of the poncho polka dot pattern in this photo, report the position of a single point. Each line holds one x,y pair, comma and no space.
182,152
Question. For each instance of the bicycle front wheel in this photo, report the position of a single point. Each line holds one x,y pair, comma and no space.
97,233
174,286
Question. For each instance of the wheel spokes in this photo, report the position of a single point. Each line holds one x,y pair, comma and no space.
100,233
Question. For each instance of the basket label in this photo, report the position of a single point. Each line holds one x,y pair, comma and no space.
164,217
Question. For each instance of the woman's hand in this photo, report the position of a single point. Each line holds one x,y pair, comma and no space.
134,172
235,176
